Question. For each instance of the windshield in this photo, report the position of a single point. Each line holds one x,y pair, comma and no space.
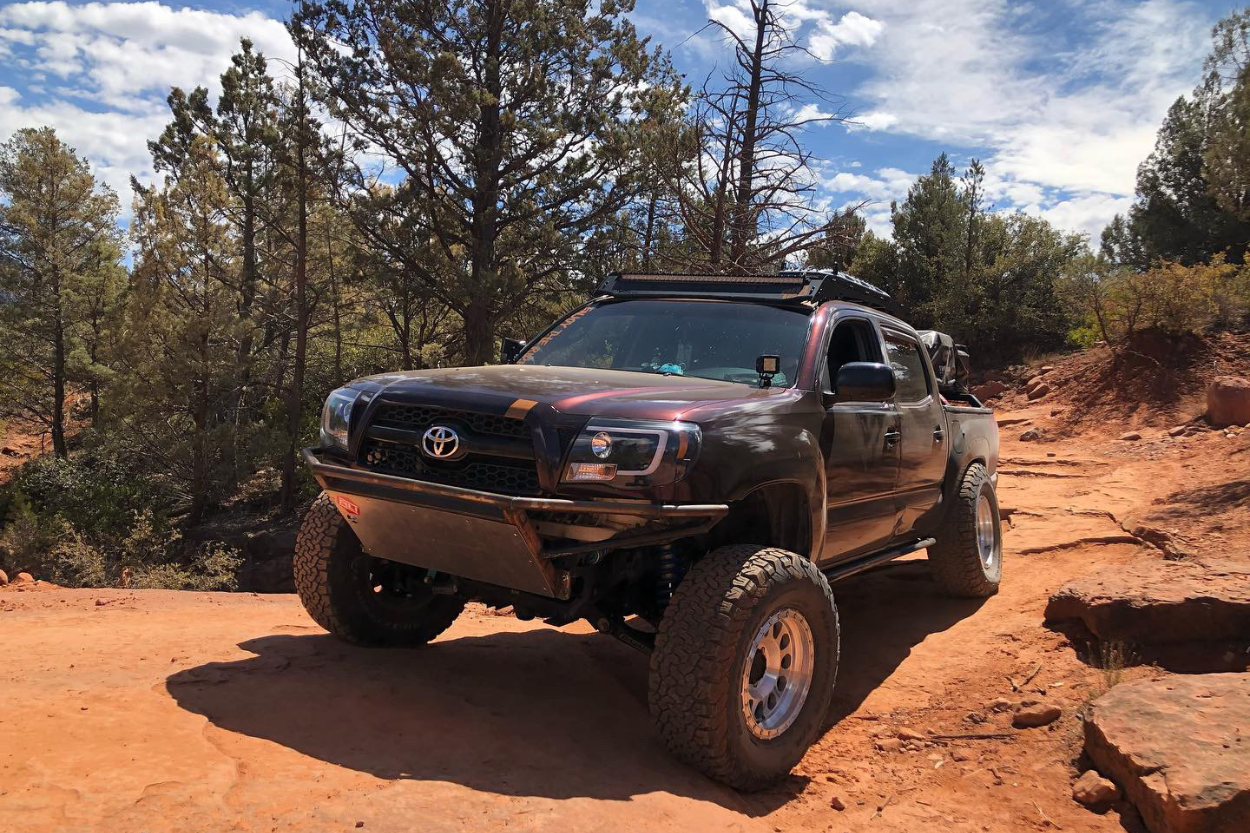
707,339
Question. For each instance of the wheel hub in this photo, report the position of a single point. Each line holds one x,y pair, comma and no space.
987,536
778,674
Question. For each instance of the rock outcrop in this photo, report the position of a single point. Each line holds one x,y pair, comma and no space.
1228,401
1180,749
1158,601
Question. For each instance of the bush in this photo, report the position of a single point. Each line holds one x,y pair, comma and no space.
1115,304
72,522
97,488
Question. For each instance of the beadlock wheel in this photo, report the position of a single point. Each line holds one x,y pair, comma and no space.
745,661
776,680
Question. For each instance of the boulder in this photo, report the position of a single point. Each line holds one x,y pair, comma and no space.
1180,749
1031,715
1092,790
1038,391
1228,401
4,578
1031,436
1130,436
989,390
23,578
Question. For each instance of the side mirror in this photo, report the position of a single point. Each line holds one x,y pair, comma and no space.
510,350
864,382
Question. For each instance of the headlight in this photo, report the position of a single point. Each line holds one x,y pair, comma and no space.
633,453
336,417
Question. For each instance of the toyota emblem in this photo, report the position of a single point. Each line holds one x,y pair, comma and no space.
440,441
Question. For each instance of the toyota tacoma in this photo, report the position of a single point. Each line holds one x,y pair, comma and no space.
687,462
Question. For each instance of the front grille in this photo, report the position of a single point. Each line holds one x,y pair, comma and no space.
487,474
420,417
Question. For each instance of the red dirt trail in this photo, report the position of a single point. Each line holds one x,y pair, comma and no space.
169,711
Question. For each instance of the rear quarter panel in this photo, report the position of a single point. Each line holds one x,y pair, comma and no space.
974,437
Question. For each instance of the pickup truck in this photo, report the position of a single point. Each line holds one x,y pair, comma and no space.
687,462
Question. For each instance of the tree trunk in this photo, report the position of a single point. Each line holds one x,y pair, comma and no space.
648,239
743,225
719,218
335,306
295,394
479,336
199,443
59,446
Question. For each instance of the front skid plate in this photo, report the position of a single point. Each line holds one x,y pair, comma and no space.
495,552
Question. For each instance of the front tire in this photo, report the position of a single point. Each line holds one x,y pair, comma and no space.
744,664
967,560
358,598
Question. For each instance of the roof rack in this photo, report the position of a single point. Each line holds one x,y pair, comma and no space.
802,286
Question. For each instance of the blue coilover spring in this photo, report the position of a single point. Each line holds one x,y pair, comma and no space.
672,571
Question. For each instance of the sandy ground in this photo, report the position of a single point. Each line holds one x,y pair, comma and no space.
155,711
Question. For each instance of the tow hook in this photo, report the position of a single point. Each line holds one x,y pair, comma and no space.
634,638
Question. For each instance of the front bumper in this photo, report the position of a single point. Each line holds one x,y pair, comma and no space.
479,535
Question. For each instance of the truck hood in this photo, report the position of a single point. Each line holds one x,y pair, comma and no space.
582,391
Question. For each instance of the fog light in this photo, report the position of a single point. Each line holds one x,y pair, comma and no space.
591,472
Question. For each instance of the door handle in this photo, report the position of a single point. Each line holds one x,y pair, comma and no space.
892,437
939,434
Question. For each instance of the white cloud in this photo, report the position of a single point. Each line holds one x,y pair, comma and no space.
854,29
810,25
1086,214
877,120
888,184
1060,126
812,113
109,66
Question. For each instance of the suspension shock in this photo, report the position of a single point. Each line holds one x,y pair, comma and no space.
672,570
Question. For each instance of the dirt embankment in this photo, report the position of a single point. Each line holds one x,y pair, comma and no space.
183,711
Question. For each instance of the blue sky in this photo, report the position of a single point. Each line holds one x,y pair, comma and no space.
1060,99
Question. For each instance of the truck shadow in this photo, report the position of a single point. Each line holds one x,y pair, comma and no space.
533,713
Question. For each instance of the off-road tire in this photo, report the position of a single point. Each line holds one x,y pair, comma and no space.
702,643
956,560
332,579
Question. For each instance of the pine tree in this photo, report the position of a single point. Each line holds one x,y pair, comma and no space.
183,327
59,244
513,125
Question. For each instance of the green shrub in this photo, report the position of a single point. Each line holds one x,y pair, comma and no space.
1114,304
73,522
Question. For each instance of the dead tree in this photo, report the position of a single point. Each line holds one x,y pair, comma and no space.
746,198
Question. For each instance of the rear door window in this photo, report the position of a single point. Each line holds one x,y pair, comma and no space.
912,380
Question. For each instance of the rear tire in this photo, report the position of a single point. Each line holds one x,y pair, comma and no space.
744,664
358,598
967,560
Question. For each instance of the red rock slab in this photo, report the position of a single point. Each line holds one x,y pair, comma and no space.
1180,749
1159,602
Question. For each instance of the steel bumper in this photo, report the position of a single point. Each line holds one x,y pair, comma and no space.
478,535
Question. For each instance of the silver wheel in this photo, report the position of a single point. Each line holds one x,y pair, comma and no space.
987,534
778,673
